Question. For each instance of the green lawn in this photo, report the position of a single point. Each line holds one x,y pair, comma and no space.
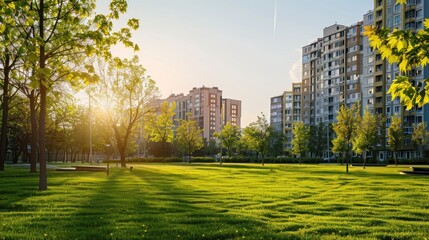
208,201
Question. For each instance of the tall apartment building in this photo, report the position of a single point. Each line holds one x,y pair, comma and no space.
388,14
208,108
285,109
231,111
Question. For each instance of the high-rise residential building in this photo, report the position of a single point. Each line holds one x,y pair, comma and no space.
207,107
341,68
277,113
282,113
231,111
388,14
311,81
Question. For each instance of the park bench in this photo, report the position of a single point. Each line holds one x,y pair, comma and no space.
417,170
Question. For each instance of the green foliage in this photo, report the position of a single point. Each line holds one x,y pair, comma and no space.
189,136
230,137
395,133
233,201
256,136
366,133
409,51
420,135
348,120
318,140
301,137
159,124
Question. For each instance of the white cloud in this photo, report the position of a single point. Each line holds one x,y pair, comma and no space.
295,71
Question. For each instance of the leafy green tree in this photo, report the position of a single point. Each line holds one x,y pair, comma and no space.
348,120
318,139
366,135
189,137
256,136
125,93
420,136
395,136
276,143
409,51
12,48
300,140
229,136
63,33
160,125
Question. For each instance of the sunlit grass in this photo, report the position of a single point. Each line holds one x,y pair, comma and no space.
207,201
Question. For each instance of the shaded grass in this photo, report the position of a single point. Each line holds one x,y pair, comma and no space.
209,201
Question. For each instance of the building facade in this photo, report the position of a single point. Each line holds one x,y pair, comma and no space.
208,109
340,68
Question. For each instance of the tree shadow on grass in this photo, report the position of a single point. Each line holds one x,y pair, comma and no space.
146,203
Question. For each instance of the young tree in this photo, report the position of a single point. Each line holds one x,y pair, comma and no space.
256,136
395,136
276,143
420,136
345,128
230,136
318,139
188,137
160,125
300,140
409,51
366,135
125,93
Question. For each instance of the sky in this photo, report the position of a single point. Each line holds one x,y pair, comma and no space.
249,49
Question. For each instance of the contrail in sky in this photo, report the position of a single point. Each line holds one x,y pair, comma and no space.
275,19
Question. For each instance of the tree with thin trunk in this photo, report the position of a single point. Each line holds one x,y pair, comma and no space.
230,135
125,94
366,135
345,128
189,137
13,36
395,136
300,140
63,33
420,136
256,136
159,125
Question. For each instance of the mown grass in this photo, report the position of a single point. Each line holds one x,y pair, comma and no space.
208,201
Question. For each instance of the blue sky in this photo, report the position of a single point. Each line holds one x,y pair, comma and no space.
231,44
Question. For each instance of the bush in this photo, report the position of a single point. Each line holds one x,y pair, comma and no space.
410,161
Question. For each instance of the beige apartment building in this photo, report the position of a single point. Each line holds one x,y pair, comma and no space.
208,108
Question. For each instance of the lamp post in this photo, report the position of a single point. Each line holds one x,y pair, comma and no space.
90,126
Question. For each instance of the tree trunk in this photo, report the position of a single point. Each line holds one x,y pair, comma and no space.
5,106
33,144
43,177
347,161
364,159
394,157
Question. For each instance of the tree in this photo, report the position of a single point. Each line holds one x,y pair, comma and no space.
12,45
345,128
256,136
420,136
188,136
318,139
300,139
395,136
63,33
160,124
276,143
409,51
230,135
366,135
125,93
